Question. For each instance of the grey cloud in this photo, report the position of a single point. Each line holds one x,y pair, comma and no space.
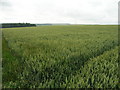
5,3
80,11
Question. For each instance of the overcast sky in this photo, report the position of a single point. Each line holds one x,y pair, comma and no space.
59,11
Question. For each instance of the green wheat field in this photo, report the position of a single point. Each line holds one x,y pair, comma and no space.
63,56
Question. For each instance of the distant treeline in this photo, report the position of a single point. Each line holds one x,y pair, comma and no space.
10,25
43,24
52,24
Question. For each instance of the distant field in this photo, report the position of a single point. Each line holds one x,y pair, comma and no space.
69,56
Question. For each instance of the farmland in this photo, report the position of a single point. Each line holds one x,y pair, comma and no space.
66,56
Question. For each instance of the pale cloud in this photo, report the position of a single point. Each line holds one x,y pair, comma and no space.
59,11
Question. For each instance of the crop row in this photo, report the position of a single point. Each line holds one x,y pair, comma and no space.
57,56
